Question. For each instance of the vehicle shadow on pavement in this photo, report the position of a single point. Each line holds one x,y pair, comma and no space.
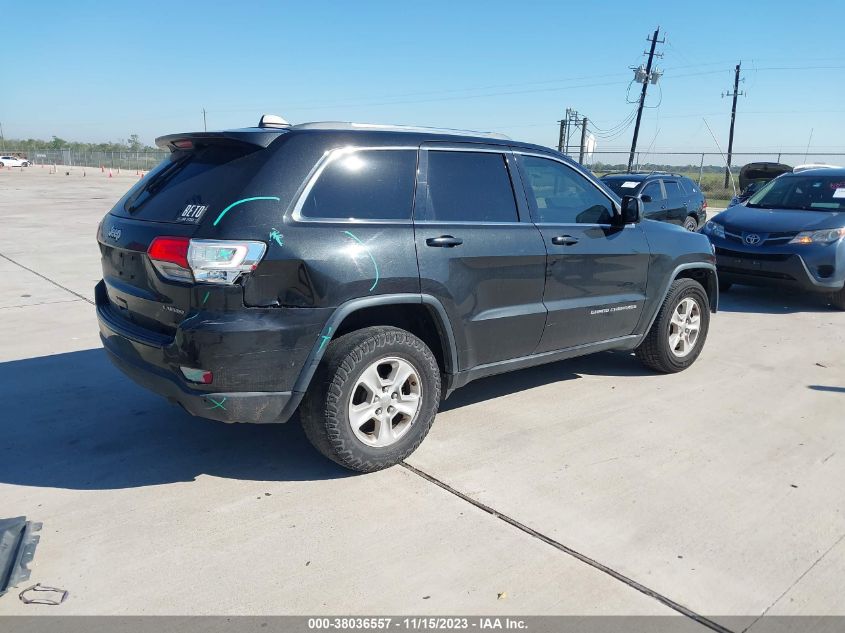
771,301
603,364
74,421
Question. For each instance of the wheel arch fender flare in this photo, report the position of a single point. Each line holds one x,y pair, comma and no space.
349,307
711,288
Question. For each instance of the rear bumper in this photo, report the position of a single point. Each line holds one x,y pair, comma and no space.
773,269
241,359
256,407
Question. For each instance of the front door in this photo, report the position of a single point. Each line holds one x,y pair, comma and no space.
654,201
597,270
477,255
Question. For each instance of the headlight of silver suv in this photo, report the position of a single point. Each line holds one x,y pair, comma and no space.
715,229
827,236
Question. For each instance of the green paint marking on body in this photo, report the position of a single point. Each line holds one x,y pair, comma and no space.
277,237
325,338
373,259
217,404
237,202
205,298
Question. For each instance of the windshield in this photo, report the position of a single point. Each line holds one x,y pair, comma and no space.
805,193
622,187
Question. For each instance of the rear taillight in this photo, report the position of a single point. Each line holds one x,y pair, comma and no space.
206,261
169,255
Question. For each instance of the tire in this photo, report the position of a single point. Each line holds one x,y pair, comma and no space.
2,165
724,286
691,223
838,299
340,380
656,351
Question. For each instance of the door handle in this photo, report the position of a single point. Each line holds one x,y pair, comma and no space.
444,241
564,240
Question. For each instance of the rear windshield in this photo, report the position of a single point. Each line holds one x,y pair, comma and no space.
186,185
802,192
621,186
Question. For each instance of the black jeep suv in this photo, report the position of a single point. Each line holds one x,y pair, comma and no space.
666,197
359,273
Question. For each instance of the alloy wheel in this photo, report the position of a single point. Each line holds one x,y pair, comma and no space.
385,401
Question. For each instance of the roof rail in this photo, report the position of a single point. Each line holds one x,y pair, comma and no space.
345,125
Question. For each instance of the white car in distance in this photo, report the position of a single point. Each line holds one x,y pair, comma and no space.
13,161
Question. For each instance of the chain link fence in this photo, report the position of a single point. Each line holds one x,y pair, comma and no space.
140,161
705,168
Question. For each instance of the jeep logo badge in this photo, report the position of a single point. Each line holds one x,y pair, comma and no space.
114,233
752,239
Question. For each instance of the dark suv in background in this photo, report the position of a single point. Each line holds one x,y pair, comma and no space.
666,197
359,273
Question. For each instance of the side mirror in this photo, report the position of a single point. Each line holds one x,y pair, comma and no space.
645,198
631,211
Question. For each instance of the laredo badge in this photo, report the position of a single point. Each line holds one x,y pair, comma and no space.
192,214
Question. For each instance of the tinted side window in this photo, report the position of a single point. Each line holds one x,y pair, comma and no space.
365,185
653,190
560,194
469,187
673,190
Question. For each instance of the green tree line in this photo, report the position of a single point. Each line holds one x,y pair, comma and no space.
132,144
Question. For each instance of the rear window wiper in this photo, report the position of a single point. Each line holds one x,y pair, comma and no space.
156,183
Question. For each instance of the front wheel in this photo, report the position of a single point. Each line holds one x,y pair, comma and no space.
691,223
373,398
680,329
838,299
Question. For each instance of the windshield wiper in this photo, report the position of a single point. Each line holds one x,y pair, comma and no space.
156,183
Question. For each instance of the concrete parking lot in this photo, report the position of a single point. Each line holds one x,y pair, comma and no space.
589,486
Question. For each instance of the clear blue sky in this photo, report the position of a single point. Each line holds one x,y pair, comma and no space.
98,71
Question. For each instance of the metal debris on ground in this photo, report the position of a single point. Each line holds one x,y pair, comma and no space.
59,597
17,547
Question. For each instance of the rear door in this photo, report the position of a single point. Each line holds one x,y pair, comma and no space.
676,201
597,271
478,251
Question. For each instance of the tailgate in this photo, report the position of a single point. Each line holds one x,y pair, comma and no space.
135,291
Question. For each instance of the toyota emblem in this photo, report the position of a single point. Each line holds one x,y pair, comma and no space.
752,239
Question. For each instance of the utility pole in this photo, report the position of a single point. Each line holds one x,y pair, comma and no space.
583,140
733,94
646,77
570,122
562,122
204,126
2,139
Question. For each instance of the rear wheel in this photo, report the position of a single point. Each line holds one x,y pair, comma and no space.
691,223
680,329
373,398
